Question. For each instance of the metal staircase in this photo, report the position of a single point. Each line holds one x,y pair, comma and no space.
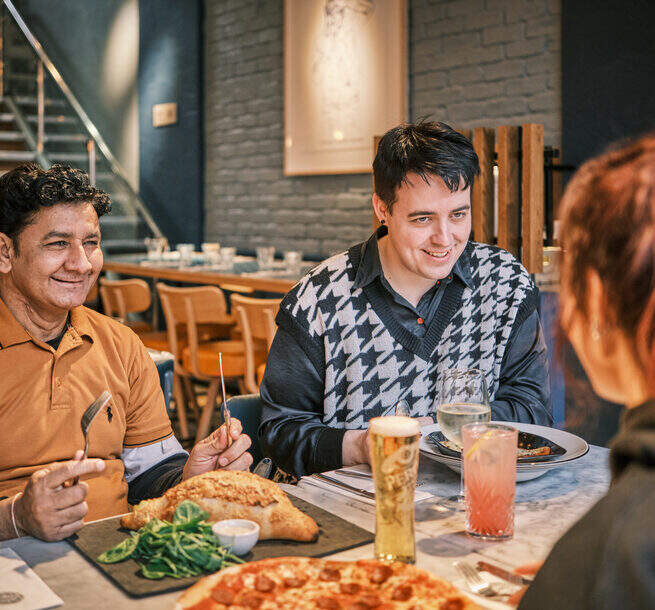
41,120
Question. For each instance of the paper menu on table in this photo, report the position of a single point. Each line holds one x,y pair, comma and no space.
18,581
352,475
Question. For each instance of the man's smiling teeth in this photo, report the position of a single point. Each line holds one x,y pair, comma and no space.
438,253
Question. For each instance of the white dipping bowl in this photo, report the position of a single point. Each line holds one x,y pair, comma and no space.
239,534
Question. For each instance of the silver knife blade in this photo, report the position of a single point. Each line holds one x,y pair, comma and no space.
338,483
515,579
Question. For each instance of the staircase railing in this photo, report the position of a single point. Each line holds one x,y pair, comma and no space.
96,139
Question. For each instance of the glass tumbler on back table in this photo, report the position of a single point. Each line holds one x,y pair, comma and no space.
393,445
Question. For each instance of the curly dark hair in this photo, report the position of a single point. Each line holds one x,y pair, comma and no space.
27,188
426,148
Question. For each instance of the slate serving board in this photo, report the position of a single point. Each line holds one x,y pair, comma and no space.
335,534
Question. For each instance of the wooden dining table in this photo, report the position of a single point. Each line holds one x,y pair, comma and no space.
545,508
244,272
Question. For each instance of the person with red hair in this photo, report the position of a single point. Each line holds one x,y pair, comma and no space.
607,559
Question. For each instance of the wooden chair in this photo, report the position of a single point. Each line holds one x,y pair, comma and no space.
256,320
195,359
120,297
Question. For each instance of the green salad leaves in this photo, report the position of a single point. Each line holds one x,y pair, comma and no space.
185,547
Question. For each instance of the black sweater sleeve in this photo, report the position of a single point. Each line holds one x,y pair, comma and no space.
156,480
292,432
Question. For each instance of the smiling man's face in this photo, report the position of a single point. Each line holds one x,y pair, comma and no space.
428,229
58,258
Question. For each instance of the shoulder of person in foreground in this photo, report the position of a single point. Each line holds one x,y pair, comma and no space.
605,560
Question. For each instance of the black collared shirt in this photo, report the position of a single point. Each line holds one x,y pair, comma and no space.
415,319
292,432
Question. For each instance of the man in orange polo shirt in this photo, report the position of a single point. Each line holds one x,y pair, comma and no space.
57,356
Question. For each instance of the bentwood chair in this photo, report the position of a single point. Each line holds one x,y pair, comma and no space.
121,297
196,359
256,321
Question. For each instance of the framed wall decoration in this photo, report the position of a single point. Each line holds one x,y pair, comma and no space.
345,72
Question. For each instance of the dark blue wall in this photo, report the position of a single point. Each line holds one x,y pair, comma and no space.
171,157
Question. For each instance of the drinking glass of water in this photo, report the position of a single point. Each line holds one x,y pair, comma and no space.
462,399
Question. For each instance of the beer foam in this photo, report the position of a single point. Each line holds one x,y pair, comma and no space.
394,425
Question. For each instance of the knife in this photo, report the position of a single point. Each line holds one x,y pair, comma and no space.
515,579
362,492
225,410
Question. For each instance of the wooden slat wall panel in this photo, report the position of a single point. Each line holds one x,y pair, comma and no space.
532,195
483,187
376,141
507,149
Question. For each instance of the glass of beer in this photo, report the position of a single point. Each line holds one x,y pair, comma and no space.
393,446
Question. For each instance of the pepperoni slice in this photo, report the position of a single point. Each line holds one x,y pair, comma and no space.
264,584
452,604
402,593
370,601
329,575
327,603
350,588
251,600
293,583
380,574
223,596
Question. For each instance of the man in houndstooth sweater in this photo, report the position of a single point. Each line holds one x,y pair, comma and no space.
382,321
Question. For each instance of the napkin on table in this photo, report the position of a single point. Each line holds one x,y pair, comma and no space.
17,577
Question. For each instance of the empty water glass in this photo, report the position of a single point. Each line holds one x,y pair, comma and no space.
292,261
186,251
211,250
155,247
265,255
227,257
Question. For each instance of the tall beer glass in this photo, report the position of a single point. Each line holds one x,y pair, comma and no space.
393,447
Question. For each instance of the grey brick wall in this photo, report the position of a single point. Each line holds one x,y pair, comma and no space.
487,62
472,62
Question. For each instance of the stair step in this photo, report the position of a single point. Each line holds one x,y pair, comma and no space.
64,156
124,219
67,137
26,100
17,155
11,136
61,118
6,117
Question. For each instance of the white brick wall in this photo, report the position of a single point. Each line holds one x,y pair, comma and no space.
471,62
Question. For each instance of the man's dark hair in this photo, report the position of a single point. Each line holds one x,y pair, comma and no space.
27,188
426,148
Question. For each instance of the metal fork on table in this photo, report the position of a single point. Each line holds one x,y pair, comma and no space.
474,580
89,415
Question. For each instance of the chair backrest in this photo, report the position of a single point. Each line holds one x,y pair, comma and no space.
256,319
120,297
248,410
191,306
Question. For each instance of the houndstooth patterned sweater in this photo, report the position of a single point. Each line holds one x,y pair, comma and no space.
372,361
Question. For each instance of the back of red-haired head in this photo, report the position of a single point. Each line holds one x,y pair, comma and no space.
608,225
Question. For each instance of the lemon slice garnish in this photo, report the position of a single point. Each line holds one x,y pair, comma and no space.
475,446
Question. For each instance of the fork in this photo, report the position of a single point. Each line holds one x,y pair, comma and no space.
87,417
474,580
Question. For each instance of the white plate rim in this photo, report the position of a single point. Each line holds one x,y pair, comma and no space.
544,431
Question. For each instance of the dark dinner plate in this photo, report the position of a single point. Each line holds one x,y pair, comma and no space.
526,440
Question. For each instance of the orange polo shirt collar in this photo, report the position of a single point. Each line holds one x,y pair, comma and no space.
13,333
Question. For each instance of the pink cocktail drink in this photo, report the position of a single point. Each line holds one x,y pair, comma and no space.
489,479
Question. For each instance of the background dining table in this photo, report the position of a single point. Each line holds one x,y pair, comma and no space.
545,508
